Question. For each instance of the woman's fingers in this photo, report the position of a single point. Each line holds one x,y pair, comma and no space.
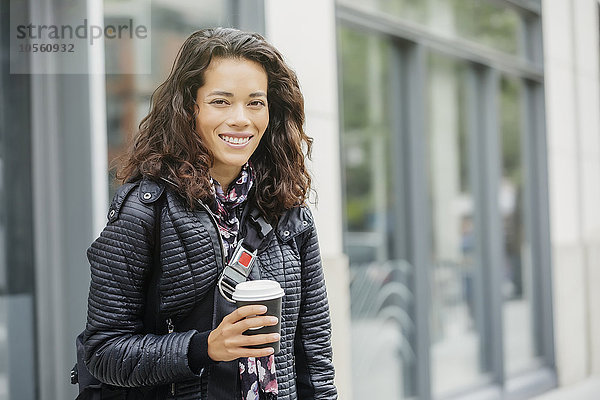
254,323
248,317
267,351
254,340
243,312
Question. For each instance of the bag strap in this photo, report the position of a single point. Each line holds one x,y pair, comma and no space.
240,265
259,231
151,311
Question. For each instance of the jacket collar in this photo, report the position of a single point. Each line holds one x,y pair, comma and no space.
293,223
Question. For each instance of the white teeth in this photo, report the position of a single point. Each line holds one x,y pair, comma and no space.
236,140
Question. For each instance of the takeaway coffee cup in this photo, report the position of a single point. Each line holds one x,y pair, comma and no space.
263,292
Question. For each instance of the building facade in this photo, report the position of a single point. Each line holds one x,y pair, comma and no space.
456,160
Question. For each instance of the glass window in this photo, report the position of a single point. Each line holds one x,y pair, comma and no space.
392,85
518,285
481,21
128,94
456,342
381,280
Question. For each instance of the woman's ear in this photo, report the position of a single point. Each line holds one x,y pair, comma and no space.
193,94
194,114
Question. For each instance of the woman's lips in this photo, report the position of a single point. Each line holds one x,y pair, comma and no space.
239,140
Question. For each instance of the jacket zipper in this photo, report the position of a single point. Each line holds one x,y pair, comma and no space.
171,329
214,220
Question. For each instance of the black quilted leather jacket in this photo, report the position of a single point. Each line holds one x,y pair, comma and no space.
119,353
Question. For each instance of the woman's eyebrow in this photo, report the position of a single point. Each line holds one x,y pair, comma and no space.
229,94
258,94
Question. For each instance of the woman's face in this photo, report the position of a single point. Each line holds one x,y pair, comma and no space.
233,113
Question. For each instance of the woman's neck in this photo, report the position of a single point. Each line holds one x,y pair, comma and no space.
225,176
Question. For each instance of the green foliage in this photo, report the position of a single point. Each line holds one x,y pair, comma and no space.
488,23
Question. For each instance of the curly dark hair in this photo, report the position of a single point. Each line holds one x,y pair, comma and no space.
167,145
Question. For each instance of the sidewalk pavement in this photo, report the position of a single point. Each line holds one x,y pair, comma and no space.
585,390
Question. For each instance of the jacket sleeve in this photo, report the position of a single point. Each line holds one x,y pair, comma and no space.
116,350
312,344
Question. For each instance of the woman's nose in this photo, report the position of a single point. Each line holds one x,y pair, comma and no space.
239,116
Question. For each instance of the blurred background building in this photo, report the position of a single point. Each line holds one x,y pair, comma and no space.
456,159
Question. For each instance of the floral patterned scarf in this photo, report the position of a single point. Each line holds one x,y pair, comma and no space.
258,376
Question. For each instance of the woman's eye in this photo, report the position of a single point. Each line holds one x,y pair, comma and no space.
257,103
219,102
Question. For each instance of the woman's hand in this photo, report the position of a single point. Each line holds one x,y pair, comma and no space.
227,341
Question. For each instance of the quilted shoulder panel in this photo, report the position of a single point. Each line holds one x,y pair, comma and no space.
150,190
294,222
118,199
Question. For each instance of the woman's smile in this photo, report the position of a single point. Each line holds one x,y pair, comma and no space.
236,140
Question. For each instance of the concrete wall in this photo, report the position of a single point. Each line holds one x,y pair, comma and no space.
571,46
305,33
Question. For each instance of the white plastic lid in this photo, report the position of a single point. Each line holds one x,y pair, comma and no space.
257,290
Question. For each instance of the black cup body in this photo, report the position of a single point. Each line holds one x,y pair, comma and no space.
273,309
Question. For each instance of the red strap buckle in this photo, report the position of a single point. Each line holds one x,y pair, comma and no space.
245,258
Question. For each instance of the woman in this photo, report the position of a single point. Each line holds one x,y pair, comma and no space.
224,140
